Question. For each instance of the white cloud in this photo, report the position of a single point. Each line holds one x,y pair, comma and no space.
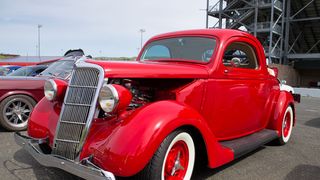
100,27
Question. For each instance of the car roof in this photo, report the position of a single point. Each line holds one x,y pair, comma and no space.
11,66
223,34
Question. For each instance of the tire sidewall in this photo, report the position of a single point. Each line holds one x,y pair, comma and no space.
283,139
186,138
3,104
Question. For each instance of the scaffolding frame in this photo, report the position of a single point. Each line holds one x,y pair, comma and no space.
278,24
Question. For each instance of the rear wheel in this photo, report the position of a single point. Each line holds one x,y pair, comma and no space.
286,127
174,159
15,112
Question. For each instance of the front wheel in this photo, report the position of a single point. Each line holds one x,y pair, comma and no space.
174,159
286,127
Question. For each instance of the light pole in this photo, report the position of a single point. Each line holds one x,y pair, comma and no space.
141,31
39,26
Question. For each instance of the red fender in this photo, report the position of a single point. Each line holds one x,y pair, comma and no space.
43,120
284,100
125,147
19,92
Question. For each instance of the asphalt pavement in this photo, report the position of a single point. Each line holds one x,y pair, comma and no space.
299,159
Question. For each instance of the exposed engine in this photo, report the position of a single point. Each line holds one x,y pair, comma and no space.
145,91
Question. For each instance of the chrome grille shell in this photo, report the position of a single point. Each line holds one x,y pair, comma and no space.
78,110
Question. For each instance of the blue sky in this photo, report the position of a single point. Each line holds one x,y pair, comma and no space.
100,27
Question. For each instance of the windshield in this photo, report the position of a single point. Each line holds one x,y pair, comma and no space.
24,71
61,69
182,48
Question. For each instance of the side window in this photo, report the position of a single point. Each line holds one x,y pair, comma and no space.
156,52
240,55
38,71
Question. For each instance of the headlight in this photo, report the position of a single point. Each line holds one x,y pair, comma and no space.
50,89
114,98
108,98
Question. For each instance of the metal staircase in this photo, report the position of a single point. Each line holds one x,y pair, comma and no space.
267,25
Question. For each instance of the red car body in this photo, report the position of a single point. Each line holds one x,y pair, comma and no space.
217,103
30,86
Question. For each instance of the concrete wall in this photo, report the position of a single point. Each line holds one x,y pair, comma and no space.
287,73
311,92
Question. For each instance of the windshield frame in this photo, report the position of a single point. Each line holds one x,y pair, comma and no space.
174,60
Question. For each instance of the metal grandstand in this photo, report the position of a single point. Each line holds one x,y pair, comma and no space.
289,30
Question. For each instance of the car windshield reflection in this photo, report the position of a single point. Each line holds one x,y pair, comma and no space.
194,49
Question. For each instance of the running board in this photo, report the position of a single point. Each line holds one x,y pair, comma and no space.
244,145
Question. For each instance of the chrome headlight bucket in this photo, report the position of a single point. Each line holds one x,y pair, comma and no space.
108,98
50,89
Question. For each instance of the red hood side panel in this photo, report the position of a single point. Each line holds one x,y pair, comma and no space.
125,69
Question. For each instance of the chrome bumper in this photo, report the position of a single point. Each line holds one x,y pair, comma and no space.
87,170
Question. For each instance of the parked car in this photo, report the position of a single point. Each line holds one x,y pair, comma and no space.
28,70
19,95
285,87
4,70
190,95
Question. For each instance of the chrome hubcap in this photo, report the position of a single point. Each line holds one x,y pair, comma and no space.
177,165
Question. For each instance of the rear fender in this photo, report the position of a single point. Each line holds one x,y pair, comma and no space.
125,147
11,93
284,100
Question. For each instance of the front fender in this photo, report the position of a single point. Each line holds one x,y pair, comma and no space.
43,120
284,100
124,147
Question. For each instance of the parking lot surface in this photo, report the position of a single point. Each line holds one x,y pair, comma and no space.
299,159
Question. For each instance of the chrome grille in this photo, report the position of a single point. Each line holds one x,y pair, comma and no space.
78,110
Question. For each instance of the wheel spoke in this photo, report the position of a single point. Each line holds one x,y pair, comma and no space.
26,110
19,104
12,118
26,116
16,120
20,117
9,113
24,106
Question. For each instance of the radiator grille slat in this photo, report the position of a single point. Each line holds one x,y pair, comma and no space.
80,95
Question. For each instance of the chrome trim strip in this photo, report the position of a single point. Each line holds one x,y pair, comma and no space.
86,170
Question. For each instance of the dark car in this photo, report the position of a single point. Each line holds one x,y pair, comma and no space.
4,70
28,70
18,95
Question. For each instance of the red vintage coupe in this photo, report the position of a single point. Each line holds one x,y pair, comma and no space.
190,94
